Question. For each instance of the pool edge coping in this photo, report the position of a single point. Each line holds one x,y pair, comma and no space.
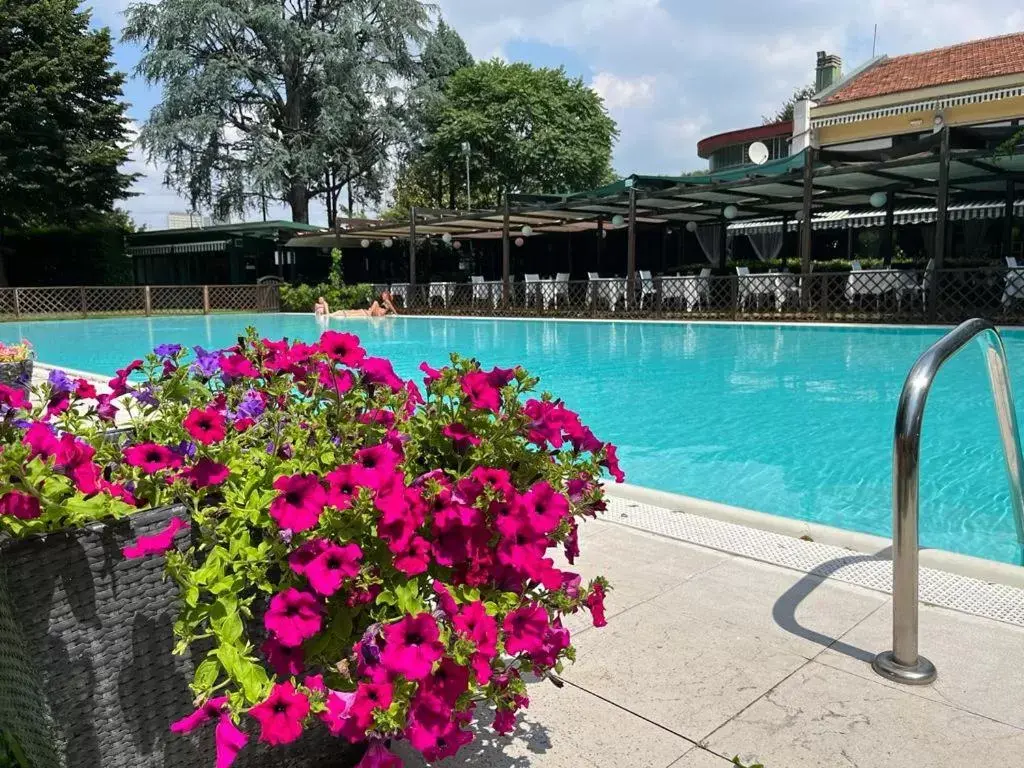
991,571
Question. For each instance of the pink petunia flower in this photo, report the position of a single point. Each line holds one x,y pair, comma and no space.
504,721
229,741
379,756
301,501
281,715
378,370
342,347
284,660
544,507
611,463
480,392
155,544
293,616
237,367
449,681
40,439
151,458
302,556
376,463
73,457
333,380
434,729
462,439
432,374
337,715
370,697
213,708
342,485
412,646
415,558
20,505
205,425
332,566
84,390
13,397
474,623
525,629
444,599
595,602
206,473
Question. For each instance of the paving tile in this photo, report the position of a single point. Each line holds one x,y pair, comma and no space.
685,673
639,565
797,612
979,660
566,728
822,716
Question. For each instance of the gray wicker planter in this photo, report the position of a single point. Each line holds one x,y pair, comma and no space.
87,677
16,374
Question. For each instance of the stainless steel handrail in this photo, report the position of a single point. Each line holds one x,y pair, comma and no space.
903,664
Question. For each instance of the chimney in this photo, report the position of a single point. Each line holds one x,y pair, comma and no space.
828,72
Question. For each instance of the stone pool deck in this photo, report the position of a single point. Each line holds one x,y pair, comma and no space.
708,655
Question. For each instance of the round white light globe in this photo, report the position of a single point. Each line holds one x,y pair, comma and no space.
456,245
519,242
730,211
388,242
617,220
527,230
365,243
446,237
691,226
879,199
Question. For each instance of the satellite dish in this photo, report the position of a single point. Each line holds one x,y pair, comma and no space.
758,153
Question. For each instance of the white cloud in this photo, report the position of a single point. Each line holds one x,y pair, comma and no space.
624,92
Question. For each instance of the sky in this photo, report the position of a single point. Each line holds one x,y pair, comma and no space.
670,71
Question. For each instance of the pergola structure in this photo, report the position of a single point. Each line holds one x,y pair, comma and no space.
953,165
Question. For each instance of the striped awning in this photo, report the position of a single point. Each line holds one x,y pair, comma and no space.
876,218
210,246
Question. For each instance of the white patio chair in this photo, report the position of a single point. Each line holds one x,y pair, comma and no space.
744,289
437,291
646,286
562,288
1011,262
855,266
531,288
1013,288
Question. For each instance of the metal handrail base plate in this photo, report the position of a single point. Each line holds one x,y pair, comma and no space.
922,673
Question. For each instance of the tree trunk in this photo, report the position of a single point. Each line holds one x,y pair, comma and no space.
451,190
298,199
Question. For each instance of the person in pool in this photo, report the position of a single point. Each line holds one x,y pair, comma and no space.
320,309
382,308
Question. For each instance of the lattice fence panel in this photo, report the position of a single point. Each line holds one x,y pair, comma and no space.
7,305
115,300
176,299
234,297
50,301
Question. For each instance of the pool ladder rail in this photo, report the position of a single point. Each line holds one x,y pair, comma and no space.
903,664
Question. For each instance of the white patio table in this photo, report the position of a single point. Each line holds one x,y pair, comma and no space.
694,290
875,282
609,288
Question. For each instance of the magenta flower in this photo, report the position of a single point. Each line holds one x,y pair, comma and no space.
40,439
378,756
338,714
229,741
445,601
213,708
474,623
595,602
155,544
378,370
415,558
461,438
480,392
449,681
293,617
206,473
342,347
300,559
376,463
525,629
434,729
301,501
284,660
370,697
544,507
379,416
19,504
497,481
13,397
332,566
333,380
432,374
237,367
342,485
74,458
281,715
412,646
151,458
611,463
205,425
504,721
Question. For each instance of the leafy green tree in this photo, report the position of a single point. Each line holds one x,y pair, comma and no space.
531,130
785,112
287,99
63,131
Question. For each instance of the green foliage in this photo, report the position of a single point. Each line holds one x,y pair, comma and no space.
301,298
337,275
531,130
11,754
785,112
279,98
63,131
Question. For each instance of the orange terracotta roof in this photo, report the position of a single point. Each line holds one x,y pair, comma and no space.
974,60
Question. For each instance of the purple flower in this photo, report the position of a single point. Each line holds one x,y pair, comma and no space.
207,363
252,406
60,381
145,395
186,448
167,350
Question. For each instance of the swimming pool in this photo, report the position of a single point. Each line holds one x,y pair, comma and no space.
790,420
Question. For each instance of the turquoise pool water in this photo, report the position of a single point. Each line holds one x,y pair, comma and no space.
791,420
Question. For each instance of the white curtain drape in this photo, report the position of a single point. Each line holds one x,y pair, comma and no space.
767,245
710,239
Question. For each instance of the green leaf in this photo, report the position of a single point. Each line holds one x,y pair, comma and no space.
206,675
407,597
